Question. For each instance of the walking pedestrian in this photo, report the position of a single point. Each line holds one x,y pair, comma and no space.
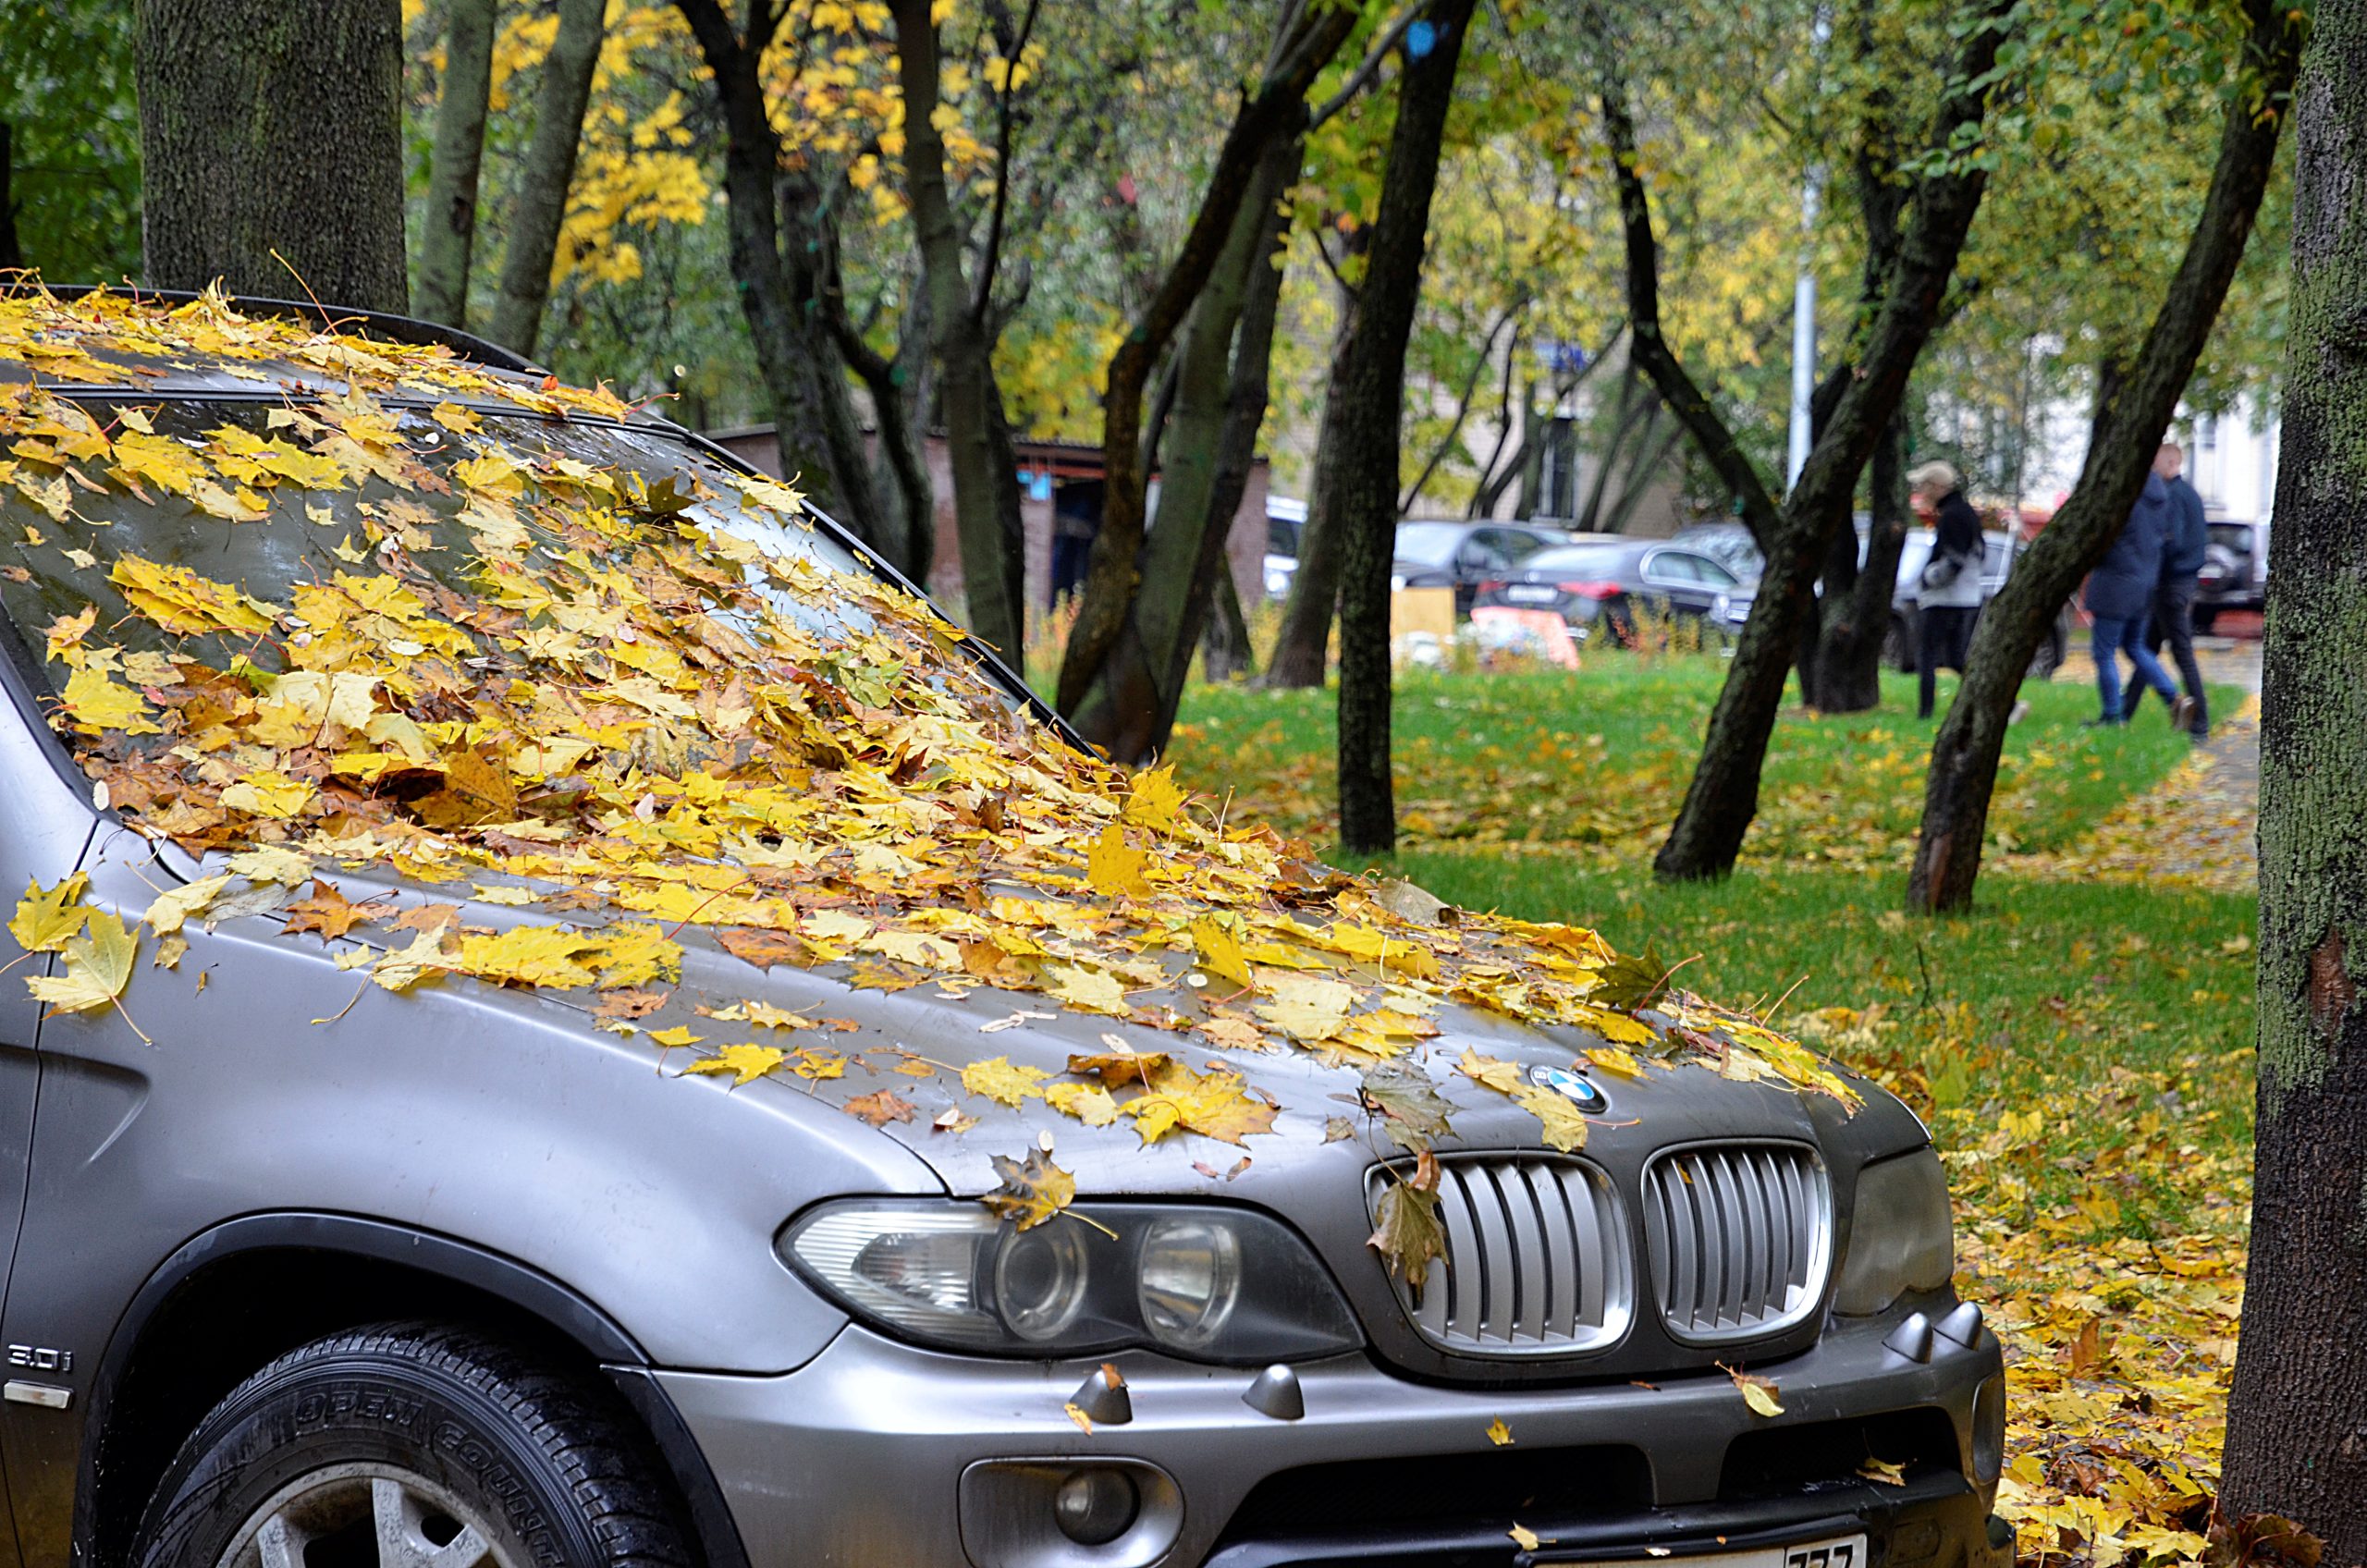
2184,546
2120,593
1947,595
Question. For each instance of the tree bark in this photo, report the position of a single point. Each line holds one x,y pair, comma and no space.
547,175
780,246
2297,1415
1311,35
12,254
1303,648
1365,473
1218,403
1843,673
978,447
1225,652
2120,448
448,231
273,125
1723,794
900,388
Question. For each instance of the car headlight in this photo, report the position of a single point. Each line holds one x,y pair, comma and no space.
1207,1283
1901,1237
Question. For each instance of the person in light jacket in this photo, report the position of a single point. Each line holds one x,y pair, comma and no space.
2120,596
1948,596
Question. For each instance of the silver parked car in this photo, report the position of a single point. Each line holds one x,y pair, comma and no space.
559,1015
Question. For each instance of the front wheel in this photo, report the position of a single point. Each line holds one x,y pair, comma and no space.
411,1445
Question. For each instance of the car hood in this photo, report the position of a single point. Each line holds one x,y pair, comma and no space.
966,1075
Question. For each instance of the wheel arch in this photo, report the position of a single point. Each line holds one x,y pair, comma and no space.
242,1293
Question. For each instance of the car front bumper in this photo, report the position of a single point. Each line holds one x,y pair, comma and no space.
866,1455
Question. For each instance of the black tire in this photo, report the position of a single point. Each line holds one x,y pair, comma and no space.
554,1467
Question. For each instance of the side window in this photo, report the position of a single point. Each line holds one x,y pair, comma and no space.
1710,573
1513,544
1671,566
1483,550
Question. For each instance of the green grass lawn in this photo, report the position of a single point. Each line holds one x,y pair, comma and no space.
1597,760
2118,1014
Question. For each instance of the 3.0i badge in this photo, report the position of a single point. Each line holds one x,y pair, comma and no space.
1579,1091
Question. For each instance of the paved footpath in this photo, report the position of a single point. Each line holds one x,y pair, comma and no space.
2197,827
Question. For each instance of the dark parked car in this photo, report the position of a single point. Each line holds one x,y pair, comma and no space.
2234,570
561,1015
1603,586
1463,555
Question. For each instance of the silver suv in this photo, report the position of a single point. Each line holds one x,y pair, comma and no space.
560,1016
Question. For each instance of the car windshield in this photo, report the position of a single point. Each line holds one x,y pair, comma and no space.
1428,543
226,579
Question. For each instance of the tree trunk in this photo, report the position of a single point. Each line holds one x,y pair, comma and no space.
1311,35
1631,408
12,254
1219,401
273,125
1225,652
547,175
1723,794
1365,473
2296,1416
1303,648
1844,671
449,231
781,248
978,436
900,388
2120,448
1649,454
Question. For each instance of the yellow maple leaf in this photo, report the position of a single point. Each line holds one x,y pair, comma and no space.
46,918
997,1080
677,1035
401,969
1156,798
1307,1007
176,904
1221,952
1089,1103
1031,1194
180,600
744,1063
98,701
1500,1434
268,792
527,955
1757,1393
1089,988
98,966
1116,867
1211,1104
1501,1076
632,953
1566,1128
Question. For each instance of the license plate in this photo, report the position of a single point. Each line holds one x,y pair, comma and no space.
1531,594
1837,1551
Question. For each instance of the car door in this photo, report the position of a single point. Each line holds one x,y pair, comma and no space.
44,831
1481,556
1674,578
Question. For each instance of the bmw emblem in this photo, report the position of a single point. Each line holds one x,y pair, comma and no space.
1570,1087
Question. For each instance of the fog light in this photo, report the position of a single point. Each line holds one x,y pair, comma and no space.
1095,1507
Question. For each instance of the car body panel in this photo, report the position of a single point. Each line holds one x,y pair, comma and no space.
892,1428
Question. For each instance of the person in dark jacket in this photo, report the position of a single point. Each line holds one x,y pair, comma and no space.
2120,595
2183,548
1947,598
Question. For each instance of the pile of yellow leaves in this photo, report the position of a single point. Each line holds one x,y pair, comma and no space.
472,629
2118,1350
